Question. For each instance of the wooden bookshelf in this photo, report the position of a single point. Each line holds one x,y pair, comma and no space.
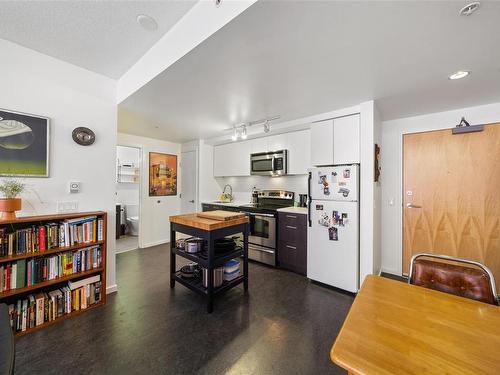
55,250
64,317
10,296
44,284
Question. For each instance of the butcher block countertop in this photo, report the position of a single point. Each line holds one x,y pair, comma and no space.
193,220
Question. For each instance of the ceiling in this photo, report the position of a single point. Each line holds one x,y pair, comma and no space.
297,59
101,36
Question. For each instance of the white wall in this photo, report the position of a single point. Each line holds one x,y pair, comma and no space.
391,177
242,186
154,225
70,96
369,251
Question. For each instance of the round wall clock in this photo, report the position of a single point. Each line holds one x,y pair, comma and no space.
83,136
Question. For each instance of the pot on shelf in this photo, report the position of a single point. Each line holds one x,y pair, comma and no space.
8,208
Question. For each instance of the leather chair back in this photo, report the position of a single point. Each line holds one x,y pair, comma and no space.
467,279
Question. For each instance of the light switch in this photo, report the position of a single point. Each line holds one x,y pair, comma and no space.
74,187
391,202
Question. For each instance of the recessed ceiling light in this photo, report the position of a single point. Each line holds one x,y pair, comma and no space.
469,9
147,22
459,74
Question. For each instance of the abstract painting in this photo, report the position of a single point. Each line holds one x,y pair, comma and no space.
24,144
162,174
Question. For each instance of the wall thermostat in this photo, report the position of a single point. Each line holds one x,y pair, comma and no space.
74,187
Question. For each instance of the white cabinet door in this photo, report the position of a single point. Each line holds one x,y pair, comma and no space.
322,143
232,159
257,145
277,142
299,151
346,140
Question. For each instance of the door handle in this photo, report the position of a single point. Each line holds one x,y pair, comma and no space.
191,201
411,205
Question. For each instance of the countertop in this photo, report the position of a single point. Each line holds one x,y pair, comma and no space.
229,204
192,220
294,210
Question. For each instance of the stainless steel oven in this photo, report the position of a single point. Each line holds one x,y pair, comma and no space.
262,237
269,163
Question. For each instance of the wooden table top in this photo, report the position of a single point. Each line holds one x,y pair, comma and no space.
192,220
396,328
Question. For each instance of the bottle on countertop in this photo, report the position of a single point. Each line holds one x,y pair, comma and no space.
255,195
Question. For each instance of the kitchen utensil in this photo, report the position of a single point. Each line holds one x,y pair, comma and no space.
303,200
191,270
220,215
194,245
181,243
218,276
224,245
255,195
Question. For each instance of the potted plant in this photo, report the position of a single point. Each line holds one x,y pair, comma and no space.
10,203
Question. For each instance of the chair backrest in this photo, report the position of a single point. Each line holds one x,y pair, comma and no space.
467,279
7,349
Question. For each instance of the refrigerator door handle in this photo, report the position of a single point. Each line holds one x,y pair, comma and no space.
309,198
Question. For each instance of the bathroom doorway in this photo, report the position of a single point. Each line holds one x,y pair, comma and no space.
128,193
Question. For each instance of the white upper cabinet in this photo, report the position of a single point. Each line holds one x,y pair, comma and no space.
322,143
346,140
299,151
335,141
232,159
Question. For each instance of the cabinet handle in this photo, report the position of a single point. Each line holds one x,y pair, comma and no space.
290,227
291,216
291,247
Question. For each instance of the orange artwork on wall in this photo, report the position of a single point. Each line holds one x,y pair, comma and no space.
162,174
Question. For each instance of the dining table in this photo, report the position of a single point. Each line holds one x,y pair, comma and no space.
397,328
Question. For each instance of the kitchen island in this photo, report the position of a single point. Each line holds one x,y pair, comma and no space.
209,230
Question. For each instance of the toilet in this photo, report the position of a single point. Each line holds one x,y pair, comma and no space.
132,214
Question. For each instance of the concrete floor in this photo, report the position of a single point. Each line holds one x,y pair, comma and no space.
285,325
127,243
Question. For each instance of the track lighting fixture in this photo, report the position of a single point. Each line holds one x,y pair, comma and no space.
240,131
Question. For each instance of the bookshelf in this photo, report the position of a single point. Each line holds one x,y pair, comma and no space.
81,255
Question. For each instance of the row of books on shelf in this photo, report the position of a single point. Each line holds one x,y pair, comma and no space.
40,238
43,307
28,272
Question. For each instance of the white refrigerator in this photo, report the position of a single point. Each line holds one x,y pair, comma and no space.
333,232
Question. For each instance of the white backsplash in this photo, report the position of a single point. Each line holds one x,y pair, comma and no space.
242,186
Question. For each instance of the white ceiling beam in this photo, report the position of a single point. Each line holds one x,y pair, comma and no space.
203,20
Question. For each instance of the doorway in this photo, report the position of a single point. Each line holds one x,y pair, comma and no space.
451,200
189,182
128,193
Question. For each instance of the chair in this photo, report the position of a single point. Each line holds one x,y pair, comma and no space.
476,282
7,348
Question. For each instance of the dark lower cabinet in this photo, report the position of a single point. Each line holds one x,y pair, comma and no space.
292,242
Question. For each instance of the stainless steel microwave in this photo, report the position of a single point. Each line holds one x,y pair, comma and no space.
273,163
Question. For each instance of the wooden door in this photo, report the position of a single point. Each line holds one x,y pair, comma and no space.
453,182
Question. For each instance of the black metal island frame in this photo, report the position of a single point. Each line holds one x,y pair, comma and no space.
209,230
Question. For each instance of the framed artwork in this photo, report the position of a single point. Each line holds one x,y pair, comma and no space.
162,174
24,144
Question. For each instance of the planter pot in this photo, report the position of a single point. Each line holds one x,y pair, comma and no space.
8,208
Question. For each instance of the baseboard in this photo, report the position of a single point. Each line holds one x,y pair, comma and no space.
156,243
112,289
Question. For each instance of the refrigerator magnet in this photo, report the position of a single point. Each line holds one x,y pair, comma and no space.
324,220
344,192
333,234
347,173
344,219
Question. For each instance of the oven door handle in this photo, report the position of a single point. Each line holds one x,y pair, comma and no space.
260,249
252,214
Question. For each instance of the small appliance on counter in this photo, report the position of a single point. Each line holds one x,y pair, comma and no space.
303,198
